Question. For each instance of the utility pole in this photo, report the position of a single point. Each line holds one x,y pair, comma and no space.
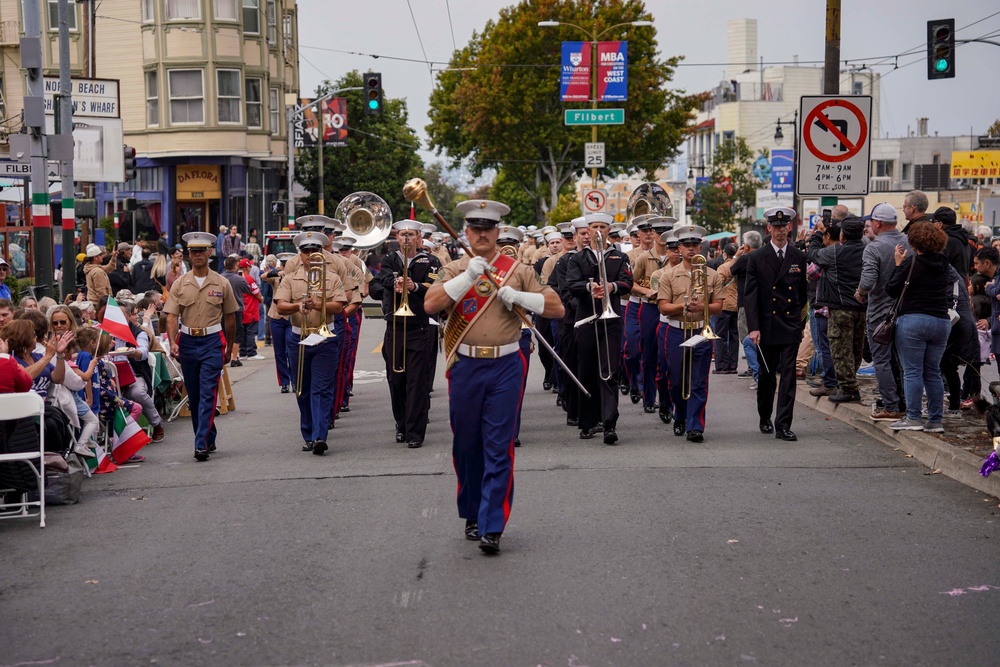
290,112
34,120
65,111
831,64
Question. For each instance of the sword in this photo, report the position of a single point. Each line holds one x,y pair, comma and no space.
415,191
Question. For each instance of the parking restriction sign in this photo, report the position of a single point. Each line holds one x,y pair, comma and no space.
834,145
594,201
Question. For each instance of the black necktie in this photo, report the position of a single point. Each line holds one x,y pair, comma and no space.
781,254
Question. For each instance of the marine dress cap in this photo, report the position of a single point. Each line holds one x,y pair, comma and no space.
687,233
779,215
412,225
311,223
310,240
199,240
510,234
482,212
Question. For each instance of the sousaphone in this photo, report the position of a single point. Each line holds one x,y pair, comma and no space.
367,218
648,198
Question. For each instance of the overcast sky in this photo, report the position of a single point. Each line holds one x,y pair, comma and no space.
870,30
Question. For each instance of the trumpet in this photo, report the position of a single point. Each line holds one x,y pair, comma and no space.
699,280
403,311
608,313
316,287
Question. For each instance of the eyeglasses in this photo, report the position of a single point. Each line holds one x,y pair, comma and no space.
57,322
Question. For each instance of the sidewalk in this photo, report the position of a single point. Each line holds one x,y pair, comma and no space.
957,453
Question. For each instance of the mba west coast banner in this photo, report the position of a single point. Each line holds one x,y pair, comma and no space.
612,72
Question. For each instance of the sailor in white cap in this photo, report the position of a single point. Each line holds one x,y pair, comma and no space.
409,346
426,229
486,374
689,354
200,308
599,339
644,296
316,385
775,303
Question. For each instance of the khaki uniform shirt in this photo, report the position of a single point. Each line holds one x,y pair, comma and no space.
200,307
675,284
549,266
644,264
728,284
294,286
442,254
496,326
350,274
98,284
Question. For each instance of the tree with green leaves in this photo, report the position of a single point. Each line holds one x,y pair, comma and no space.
380,156
730,196
565,210
497,106
994,129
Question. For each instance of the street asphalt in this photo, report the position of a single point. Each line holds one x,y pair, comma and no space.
742,550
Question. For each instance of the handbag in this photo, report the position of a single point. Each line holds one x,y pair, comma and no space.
125,374
885,332
953,311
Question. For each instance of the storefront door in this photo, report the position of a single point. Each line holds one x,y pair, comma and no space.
191,217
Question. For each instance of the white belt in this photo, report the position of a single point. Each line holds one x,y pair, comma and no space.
488,351
664,319
298,330
635,299
683,325
202,331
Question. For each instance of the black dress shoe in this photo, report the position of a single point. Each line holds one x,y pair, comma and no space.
695,436
415,444
471,530
285,389
610,437
559,402
784,434
490,543
546,386
319,448
679,427
636,397
766,426
345,408
666,417
308,446
399,435
517,442
587,433
572,421
649,409
201,454
211,448
351,393
623,388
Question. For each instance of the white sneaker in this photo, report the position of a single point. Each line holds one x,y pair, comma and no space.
753,385
257,357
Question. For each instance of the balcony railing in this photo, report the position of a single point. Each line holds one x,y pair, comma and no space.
10,33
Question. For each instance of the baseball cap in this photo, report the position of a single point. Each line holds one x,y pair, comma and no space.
245,263
883,213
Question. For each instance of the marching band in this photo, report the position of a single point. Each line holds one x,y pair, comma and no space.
604,321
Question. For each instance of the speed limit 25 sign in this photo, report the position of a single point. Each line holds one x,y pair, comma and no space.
593,154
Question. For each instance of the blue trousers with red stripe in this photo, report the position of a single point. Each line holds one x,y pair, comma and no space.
354,329
663,369
202,359
484,398
649,320
632,356
692,409
280,330
319,383
525,344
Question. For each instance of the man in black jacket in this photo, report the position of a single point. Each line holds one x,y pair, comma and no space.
599,340
841,264
958,250
775,301
569,394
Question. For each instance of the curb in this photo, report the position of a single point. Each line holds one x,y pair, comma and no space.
958,464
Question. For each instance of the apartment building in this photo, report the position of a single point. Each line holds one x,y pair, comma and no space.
203,85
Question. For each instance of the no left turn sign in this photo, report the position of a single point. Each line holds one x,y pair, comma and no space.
594,201
834,145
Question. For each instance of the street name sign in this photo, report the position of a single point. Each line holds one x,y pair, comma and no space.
594,116
92,98
593,154
834,145
10,169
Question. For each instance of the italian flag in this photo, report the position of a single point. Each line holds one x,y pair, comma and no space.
115,322
128,438
101,463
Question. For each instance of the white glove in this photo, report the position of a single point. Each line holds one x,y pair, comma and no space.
460,284
527,300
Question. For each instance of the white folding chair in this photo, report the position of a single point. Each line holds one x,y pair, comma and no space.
17,406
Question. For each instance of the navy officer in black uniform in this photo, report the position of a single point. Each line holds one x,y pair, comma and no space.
599,340
775,302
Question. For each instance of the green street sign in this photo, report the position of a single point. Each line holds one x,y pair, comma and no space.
594,116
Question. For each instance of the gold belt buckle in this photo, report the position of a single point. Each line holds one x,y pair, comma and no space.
484,352
197,331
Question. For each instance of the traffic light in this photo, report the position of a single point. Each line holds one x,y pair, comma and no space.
373,93
941,49
129,153
278,208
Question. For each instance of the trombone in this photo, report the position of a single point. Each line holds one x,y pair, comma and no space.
699,280
315,286
608,313
404,310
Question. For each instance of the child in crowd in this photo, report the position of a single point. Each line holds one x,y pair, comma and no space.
85,365
109,394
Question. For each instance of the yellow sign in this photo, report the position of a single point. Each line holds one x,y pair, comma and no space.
198,181
975,164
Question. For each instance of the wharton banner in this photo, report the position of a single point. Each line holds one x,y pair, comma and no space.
612,71
574,83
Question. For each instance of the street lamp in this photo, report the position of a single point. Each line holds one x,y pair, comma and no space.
594,37
778,138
